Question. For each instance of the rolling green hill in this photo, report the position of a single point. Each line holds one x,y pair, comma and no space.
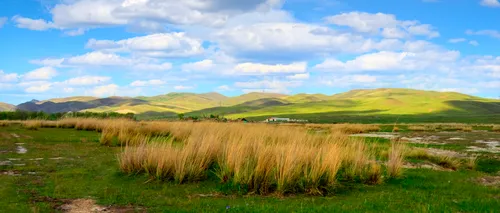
370,105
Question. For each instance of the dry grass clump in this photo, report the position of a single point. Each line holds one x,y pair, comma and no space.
261,158
396,160
441,160
32,124
4,123
496,128
471,163
456,127
427,127
344,128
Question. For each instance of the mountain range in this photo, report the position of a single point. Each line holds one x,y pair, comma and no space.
371,105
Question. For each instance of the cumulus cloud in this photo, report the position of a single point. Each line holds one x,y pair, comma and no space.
474,43
105,90
98,58
33,24
36,86
147,83
87,14
287,41
299,76
203,65
391,61
43,73
257,68
490,3
223,88
182,87
50,62
491,33
274,86
8,77
457,40
86,80
380,23
154,45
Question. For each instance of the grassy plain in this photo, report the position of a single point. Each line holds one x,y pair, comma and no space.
63,164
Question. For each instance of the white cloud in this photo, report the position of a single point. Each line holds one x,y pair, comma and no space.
181,87
68,90
105,90
491,33
3,20
298,67
50,62
391,61
33,24
98,58
203,65
275,86
460,90
474,43
380,23
364,78
490,3
86,80
294,41
154,45
144,14
299,76
8,77
38,88
457,40
153,67
223,88
147,83
357,81
44,73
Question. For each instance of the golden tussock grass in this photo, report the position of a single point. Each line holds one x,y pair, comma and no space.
262,158
496,128
396,159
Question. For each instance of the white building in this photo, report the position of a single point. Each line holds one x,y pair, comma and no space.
275,119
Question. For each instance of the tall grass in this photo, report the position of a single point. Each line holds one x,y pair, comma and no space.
396,159
258,157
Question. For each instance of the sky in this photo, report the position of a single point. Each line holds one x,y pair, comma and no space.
59,48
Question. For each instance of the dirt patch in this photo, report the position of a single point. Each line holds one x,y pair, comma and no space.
490,146
489,181
444,152
423,140
21,149
89,206
11,173
425,165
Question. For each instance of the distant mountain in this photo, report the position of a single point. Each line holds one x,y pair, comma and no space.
74,106
376,104
6,107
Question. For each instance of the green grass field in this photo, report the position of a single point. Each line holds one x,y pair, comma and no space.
66,164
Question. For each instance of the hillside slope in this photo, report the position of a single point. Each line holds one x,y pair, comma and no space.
6,107
384,102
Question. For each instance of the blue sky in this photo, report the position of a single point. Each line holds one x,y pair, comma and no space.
59,48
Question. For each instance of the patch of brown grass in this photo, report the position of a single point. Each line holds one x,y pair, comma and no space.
263,158
396,160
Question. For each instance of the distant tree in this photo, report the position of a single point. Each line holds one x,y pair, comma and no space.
181,116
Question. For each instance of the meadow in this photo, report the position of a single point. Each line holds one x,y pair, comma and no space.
159,166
